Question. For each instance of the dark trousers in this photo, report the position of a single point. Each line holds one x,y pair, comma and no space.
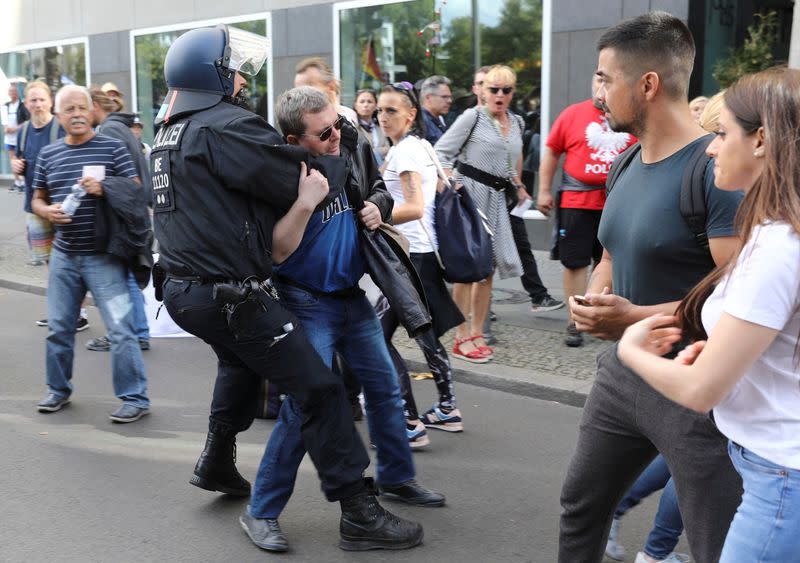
530,271
625,423
435,357
291,363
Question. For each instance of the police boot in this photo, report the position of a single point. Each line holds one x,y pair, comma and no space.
216,468
365,525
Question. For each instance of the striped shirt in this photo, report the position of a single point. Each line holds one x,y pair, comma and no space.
60,165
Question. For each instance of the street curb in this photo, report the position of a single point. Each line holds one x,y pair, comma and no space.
507,385
24,287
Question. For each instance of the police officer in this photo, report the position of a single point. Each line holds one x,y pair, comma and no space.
219,175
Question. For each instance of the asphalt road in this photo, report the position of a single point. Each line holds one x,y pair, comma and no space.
75,487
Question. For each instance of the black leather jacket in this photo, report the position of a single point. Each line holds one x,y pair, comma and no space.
386,262
364,171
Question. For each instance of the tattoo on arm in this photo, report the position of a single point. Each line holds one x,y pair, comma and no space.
409,189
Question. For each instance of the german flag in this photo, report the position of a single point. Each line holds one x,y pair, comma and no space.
369,63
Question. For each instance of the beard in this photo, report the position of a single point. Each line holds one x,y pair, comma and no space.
634,124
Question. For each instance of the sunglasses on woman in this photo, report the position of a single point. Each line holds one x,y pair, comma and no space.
328,131
506,89
406,88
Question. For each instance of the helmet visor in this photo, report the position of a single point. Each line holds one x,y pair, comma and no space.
248,51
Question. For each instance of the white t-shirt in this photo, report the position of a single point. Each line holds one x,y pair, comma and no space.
10,120
762,413
409,155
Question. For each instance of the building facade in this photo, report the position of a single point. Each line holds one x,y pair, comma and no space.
551,44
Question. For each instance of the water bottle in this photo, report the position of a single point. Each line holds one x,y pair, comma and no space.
71,203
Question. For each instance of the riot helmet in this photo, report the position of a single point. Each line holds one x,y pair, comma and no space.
201,65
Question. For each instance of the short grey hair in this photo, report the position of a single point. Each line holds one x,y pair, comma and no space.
294,104
432,83
69,88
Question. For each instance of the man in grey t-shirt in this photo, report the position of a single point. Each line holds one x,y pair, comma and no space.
651,259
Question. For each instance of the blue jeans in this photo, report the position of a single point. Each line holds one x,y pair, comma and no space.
767,523
106,277
347,326
140,327
667,525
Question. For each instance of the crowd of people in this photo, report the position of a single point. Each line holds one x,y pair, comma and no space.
700,397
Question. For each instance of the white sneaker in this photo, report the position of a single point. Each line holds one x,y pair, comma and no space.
673,557
614,549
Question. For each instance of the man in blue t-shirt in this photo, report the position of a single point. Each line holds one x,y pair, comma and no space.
78,261
31,138
318,265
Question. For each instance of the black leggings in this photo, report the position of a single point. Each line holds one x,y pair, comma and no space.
435,356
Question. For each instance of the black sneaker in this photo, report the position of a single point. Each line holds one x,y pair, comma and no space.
52,403
547,303
265,532
128,413
82,324
574,338
144,344
41,322
99,344
412,492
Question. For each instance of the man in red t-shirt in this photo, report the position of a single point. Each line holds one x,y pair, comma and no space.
582,132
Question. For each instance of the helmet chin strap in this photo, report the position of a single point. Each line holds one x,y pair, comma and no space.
240,99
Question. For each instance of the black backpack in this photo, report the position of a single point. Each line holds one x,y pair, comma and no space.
693,186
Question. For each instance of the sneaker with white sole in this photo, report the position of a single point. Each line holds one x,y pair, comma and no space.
128,413
546,303
417,435
673,557
447,421
614,548
52,403
82,324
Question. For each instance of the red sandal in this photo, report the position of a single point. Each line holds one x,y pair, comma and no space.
474,356
485,349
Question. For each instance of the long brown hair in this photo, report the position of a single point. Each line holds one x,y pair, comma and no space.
768,99
106,102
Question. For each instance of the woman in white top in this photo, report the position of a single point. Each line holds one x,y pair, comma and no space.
748,370
411,177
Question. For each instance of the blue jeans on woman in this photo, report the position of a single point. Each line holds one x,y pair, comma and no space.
346,325
767,523
668,525
105,276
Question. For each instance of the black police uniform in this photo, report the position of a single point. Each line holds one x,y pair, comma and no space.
219,175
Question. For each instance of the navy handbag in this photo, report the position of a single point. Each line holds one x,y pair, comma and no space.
465,240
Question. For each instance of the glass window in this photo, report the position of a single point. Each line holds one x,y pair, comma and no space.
56,65
411,40
151,87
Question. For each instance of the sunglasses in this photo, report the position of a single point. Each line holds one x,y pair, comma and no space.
506,89
406,88
328,131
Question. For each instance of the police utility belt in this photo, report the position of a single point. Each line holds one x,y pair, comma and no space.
241,302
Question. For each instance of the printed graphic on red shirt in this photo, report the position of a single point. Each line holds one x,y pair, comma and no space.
582,132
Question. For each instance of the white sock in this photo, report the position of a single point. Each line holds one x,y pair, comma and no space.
83,313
